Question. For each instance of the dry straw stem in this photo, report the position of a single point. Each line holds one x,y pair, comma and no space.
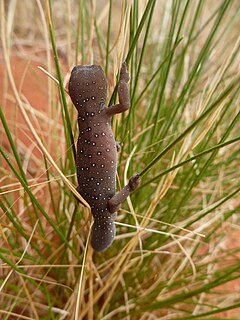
120,43
173,258
51,76
20,274
192,140
121,264
80,288
39,183
22,109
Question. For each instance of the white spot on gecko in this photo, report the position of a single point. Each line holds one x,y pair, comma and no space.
96,160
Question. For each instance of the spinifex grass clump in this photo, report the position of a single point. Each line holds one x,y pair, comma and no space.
174,256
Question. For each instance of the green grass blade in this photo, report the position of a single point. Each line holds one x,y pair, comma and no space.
139,30
61,86
198,155
25,186
108,36
224,94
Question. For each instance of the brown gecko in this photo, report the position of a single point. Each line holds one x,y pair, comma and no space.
97,150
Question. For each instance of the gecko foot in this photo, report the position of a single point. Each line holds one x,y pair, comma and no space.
124,74
118,146
134,182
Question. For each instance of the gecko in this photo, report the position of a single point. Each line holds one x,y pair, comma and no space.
96,160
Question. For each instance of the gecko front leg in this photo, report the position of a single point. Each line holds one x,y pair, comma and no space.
123,93
115,202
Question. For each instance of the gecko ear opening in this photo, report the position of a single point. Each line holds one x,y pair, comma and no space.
103,234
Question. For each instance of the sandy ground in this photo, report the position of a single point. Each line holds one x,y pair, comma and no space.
33,85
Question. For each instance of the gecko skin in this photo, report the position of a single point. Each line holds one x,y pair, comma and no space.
96,149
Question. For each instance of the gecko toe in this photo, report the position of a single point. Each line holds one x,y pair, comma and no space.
124,74
134,182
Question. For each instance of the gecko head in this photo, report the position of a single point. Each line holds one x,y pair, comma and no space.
103,233
87,87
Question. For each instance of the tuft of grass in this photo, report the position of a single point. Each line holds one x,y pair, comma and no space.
174,256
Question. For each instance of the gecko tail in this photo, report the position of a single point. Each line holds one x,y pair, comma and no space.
103,233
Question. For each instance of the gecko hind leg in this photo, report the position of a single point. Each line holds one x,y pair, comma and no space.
118,146
115,202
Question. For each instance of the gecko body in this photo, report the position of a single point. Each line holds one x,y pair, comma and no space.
96,161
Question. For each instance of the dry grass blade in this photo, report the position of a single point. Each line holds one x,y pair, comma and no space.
32,129
176,251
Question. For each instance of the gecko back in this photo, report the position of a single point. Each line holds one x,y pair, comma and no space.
96,149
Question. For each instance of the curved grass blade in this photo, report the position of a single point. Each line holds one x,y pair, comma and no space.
224,94
26,188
